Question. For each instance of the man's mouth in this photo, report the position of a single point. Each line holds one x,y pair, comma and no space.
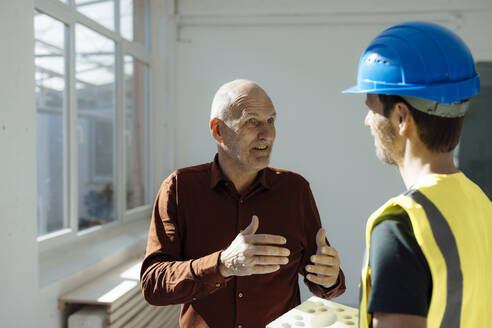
260,148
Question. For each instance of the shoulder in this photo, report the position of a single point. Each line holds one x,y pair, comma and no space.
196,170
279,176
394,228
393,241
194,173
394,216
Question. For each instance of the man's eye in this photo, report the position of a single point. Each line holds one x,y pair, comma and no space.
251,121
270,120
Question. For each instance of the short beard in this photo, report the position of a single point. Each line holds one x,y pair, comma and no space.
386,149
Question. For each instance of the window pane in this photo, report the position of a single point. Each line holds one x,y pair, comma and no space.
102,11
49,49
95,58
133,23
136,133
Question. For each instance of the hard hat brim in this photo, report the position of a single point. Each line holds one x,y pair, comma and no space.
460,90
407,91
358,89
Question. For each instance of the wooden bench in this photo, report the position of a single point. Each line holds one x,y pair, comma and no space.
118,293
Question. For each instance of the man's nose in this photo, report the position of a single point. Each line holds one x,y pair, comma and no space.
266,131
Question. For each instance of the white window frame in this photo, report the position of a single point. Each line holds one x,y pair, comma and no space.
68,15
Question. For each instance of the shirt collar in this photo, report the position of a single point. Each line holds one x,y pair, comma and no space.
216,175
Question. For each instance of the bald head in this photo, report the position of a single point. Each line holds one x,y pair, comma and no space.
242,123
232,96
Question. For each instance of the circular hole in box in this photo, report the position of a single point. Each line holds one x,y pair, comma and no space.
347,317
298,317
311,310
349,323
299,323
339,310
322,309
286,325
322,320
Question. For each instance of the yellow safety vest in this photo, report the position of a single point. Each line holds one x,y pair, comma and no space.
451,218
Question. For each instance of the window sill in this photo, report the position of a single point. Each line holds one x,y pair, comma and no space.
122,241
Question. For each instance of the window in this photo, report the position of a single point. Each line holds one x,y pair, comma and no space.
50,75
136,108
92,101
95,76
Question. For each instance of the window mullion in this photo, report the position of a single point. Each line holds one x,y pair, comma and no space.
73,133
55,9
148,44
95,26
120,135
66,131
120,140
137,51
148,147
117,16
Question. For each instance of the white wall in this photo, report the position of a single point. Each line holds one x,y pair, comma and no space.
319,7
304,54
18,247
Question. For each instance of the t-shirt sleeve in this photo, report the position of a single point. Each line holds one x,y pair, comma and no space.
401,281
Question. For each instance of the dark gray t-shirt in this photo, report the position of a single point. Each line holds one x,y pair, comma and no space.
401,281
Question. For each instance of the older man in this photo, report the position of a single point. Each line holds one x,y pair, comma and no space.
228,239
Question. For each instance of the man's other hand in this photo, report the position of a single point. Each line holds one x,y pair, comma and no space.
251,253
325,264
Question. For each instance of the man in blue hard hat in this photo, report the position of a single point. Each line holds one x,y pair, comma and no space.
428,250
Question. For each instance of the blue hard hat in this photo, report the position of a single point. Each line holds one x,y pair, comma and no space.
418,59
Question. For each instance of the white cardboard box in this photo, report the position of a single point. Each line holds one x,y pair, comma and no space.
316,312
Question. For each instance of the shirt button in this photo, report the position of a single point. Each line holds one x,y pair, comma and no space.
240,295
239,326
241,201
217,285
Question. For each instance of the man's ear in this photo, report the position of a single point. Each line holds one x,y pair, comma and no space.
215,129
403,117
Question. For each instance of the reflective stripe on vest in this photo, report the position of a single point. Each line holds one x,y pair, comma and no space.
447,244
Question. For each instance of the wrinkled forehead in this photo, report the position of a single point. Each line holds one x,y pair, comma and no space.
251,101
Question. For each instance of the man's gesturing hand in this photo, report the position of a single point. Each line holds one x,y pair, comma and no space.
326,263
251,253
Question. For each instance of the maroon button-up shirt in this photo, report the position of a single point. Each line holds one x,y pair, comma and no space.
197,214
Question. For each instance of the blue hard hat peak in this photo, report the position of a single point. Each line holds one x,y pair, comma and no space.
418,59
